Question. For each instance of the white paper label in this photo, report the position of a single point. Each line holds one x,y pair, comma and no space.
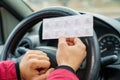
69,26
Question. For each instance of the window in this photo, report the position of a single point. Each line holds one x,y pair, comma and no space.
109,8
1,36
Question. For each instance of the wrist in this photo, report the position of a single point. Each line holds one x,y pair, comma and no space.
71,66
67,68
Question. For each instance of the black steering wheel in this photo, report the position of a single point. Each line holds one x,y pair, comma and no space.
92,67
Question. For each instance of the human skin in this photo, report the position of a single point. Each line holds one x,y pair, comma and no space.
71,52
35,66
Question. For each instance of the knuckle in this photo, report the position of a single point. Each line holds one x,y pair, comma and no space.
84,55
84,47
32,63
29,56
45,58
37,51
28,52
48,58
42,53
48,64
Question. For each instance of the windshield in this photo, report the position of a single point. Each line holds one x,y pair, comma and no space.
109,8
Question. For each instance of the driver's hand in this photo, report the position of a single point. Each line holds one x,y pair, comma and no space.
71,52
35,65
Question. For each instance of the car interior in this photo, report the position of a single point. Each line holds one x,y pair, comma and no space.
21,30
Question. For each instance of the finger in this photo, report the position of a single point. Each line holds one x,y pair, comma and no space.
70,39
85,53
62,42
49,71
83,57
40,57
36,52
46,71
45,75
39,64
77,40
79,43
70,43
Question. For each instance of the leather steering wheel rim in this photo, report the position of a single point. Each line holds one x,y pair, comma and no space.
93,55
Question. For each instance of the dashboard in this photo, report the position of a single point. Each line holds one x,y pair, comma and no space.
109,44
109,40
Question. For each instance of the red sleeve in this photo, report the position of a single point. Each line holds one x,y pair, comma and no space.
7,70
62,74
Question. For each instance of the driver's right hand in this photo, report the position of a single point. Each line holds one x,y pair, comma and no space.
71,52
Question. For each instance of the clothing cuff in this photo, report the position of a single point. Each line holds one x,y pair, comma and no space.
17,70
66,67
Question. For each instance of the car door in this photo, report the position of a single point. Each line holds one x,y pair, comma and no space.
11,13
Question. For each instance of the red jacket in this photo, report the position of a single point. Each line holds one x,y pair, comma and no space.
8,72
62,74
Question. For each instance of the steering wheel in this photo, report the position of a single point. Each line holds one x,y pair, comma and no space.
92,67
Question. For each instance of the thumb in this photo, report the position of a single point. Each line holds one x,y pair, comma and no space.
49,71
62,43
44,76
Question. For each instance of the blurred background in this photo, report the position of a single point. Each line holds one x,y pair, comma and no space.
109,8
